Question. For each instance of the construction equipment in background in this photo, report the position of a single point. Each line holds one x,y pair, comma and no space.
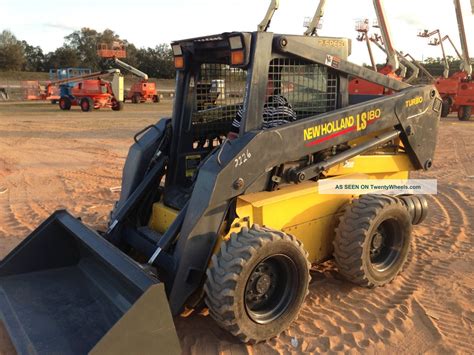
405,64
438,41
316,22
91,91
142,90
426,73
51,91
187,230
33,90
457,89
360,89
116,49
64,73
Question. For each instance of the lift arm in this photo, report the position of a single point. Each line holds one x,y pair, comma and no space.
452,45
420,66
131,69
438,41
404,63
263,26
466,61
403,68
84,77
362,26
392,58
318,15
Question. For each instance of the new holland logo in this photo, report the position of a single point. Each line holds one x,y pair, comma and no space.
324,131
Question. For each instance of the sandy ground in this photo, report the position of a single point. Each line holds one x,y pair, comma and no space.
51,159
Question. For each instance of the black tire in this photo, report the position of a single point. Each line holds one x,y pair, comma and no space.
445,108
257,283
54,102
372,240
156,99
464,113
87,104
65,103
136,99
117,105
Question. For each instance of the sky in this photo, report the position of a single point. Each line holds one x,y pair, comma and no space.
147,23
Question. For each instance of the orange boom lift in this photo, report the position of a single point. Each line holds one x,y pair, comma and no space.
457,90
140,91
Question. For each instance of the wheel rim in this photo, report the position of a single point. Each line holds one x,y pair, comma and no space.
271,288
385,245
85,105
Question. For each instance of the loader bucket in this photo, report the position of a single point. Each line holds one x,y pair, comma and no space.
66,290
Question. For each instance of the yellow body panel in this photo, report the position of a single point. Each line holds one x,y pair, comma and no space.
373,164
161,217
299,209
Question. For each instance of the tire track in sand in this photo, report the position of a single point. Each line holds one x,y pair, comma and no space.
448,241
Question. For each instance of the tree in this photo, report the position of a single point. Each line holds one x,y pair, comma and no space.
84,43
12,56
165,61
34,57
63,57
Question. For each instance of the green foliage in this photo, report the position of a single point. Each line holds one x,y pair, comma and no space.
34,58
63,57
80,50
12,54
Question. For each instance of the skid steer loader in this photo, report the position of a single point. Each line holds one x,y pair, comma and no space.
230,225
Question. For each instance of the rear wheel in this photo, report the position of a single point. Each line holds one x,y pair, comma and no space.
117,105
445,108
65,103
372,240
87,104
257,283
156,98
136,99
464,113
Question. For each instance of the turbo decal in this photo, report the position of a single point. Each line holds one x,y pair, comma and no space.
415,101
324,131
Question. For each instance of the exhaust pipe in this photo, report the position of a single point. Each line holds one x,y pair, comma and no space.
417,206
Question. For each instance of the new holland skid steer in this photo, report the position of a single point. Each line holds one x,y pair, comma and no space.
231,225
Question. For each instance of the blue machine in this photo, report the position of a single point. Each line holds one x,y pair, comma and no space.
67,73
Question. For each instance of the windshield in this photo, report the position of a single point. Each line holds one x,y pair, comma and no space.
218,92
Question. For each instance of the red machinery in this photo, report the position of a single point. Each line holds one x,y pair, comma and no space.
91,94
32,90
140,91
361,90
457,90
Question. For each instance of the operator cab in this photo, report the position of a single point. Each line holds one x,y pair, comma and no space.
219,75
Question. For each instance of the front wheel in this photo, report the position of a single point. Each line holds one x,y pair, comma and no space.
117,105
445,108
136,99
87,104
65,103
464,113
156,98
257,283
373,240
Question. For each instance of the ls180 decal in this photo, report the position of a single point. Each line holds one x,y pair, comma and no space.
324,131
